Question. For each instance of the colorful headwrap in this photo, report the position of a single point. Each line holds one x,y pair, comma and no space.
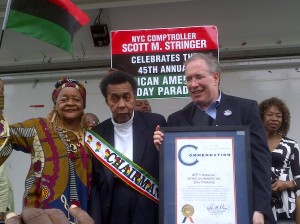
65,82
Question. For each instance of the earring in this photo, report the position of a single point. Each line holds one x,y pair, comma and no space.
54,115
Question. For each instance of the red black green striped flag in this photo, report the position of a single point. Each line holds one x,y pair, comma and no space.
52,21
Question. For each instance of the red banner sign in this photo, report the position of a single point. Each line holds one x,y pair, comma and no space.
156,54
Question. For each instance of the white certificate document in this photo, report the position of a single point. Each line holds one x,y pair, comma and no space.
205,183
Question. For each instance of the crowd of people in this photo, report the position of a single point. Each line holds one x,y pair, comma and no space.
85,184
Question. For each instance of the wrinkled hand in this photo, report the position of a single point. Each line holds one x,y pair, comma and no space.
37,216
48,216
80,216
258,218
280,185
158,137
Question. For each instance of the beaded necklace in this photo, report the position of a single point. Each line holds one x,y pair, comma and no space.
73,147
72,150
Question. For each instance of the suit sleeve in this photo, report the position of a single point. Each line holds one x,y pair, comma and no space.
295,166
261,163
95,206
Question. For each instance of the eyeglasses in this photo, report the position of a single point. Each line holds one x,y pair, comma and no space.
197,79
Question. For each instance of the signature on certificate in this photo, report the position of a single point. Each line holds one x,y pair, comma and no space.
217,209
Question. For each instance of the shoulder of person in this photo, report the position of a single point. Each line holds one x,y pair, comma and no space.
32,122
104,126
185,110
150,120
104,123
289,140
188,106
237,99
148,115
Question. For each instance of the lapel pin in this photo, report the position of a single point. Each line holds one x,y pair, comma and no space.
227,113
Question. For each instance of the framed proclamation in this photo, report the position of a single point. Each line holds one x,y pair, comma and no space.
205,175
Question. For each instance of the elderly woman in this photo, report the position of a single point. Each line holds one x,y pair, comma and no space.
60,171
285,158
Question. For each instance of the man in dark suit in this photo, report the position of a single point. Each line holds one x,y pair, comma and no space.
113,199
212,107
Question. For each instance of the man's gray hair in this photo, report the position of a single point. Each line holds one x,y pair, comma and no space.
210,60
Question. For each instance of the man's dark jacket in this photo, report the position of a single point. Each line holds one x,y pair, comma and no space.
145,155
235,111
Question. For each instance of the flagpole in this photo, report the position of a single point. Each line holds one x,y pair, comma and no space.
5,20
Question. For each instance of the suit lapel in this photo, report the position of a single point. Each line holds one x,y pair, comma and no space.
199,117
223,109
139,141
109,137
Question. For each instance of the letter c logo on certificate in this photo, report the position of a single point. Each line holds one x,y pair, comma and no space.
187,155
187,211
